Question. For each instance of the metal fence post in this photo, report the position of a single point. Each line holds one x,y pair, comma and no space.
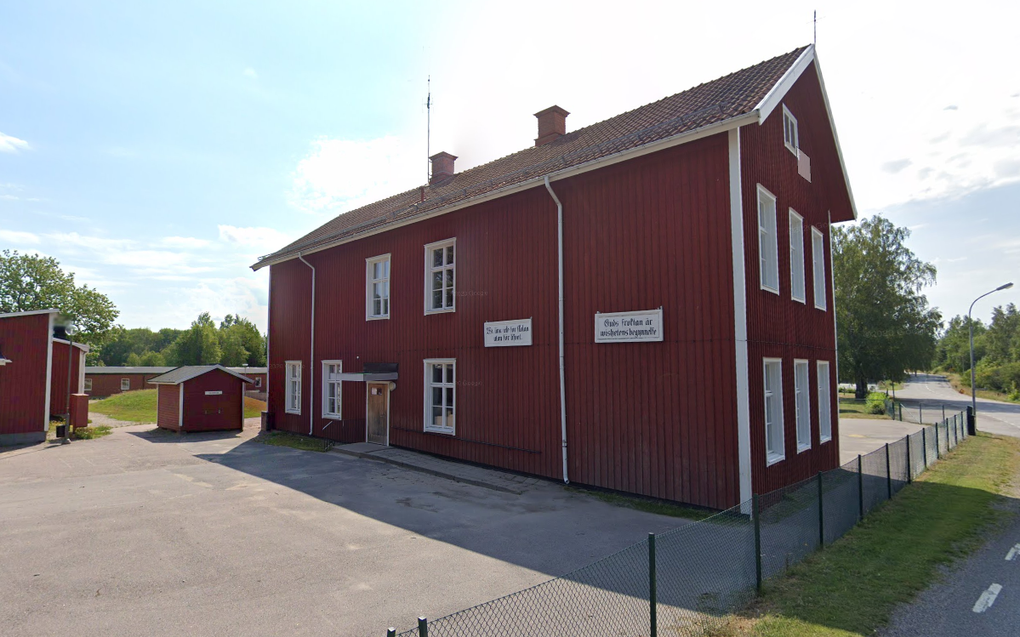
888,471
860,488
920,413
423,627
821,512
924,448
910,467
653,629
756,511
971,421
943,411
392,632
938,452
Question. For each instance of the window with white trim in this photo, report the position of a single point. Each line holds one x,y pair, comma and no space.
797,291
791,138
258,381
818,266
802,401
292,390
824,402
440,395
88,385
768,244
331,385
774,435
377,287
440,270
125,384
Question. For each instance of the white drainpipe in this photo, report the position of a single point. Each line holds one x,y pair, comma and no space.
563,383
311,356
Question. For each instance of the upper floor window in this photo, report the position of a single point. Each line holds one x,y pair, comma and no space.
774,435
768,244
292,389
331,384
818,265
797,257
377,287
790,135
440,270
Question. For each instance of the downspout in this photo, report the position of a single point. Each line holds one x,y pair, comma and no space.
563,383
311,355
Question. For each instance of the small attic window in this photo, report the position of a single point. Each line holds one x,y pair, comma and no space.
790,136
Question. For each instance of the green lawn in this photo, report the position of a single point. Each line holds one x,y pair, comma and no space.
850,407
140,406
852,587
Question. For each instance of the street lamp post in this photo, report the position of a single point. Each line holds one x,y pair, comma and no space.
970,328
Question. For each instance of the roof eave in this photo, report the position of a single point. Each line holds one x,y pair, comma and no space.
601,162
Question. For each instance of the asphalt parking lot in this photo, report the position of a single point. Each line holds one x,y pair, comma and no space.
214,534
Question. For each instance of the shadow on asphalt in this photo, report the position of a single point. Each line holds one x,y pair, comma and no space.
164,435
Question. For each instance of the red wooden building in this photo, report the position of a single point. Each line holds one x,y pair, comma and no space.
100,382
644,304
200,398
34,377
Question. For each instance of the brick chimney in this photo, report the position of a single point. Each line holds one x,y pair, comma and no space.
552,123
442,167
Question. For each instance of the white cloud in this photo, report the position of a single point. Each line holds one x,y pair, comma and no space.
18,238
9,144
341,174
184,242
257,239
250,72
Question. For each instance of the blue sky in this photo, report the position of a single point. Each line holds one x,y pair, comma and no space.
157,149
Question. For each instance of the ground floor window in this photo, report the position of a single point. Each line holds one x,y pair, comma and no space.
88,384
824,402
802,400
331,388
292,389
774,436
125,384
440,395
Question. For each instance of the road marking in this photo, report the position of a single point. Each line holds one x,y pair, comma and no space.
987,598
1013,552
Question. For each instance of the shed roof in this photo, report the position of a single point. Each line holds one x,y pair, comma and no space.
186,373
750,93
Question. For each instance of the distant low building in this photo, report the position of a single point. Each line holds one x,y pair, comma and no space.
101,382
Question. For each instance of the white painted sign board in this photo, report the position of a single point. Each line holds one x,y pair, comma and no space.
508,333
214,393
629,327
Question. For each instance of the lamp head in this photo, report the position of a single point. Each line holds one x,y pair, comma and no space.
1004,287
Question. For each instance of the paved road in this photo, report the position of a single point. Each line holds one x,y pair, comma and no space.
864,435
930,392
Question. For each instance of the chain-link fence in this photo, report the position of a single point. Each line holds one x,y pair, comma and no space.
682,581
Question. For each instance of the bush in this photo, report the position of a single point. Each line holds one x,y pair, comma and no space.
876,403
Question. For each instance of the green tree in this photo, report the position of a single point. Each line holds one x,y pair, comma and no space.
884,324
241,342
34,282
199,345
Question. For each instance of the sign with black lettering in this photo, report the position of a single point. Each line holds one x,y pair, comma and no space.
508,333
629,327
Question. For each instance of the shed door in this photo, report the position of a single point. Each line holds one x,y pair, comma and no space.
378,413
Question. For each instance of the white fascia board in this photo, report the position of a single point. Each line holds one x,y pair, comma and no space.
595,164
779,90
835,137
30,313
81,346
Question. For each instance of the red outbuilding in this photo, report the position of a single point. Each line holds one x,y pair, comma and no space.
200,398
101,381
644,304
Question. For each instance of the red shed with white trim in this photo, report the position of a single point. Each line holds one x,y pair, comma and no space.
200,398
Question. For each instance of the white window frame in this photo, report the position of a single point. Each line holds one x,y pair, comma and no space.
125,381
791,141
768,242
288,387
430,425
802,402
798,284
824,401
258,381
775,414
88,385
430,270
818,267
370,282
326,383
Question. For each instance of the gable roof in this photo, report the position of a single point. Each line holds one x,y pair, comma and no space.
743,97
187,372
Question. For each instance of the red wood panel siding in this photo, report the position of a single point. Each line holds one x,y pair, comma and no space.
168,406
24,340
211,413
778,326
657,419
58,376
109,384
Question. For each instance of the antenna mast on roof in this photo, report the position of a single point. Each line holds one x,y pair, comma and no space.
815,42
428,131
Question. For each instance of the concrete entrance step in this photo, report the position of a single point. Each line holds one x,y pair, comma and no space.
468,474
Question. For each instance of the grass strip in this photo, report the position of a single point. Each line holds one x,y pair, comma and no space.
294,441
853,586
140,406
90,433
